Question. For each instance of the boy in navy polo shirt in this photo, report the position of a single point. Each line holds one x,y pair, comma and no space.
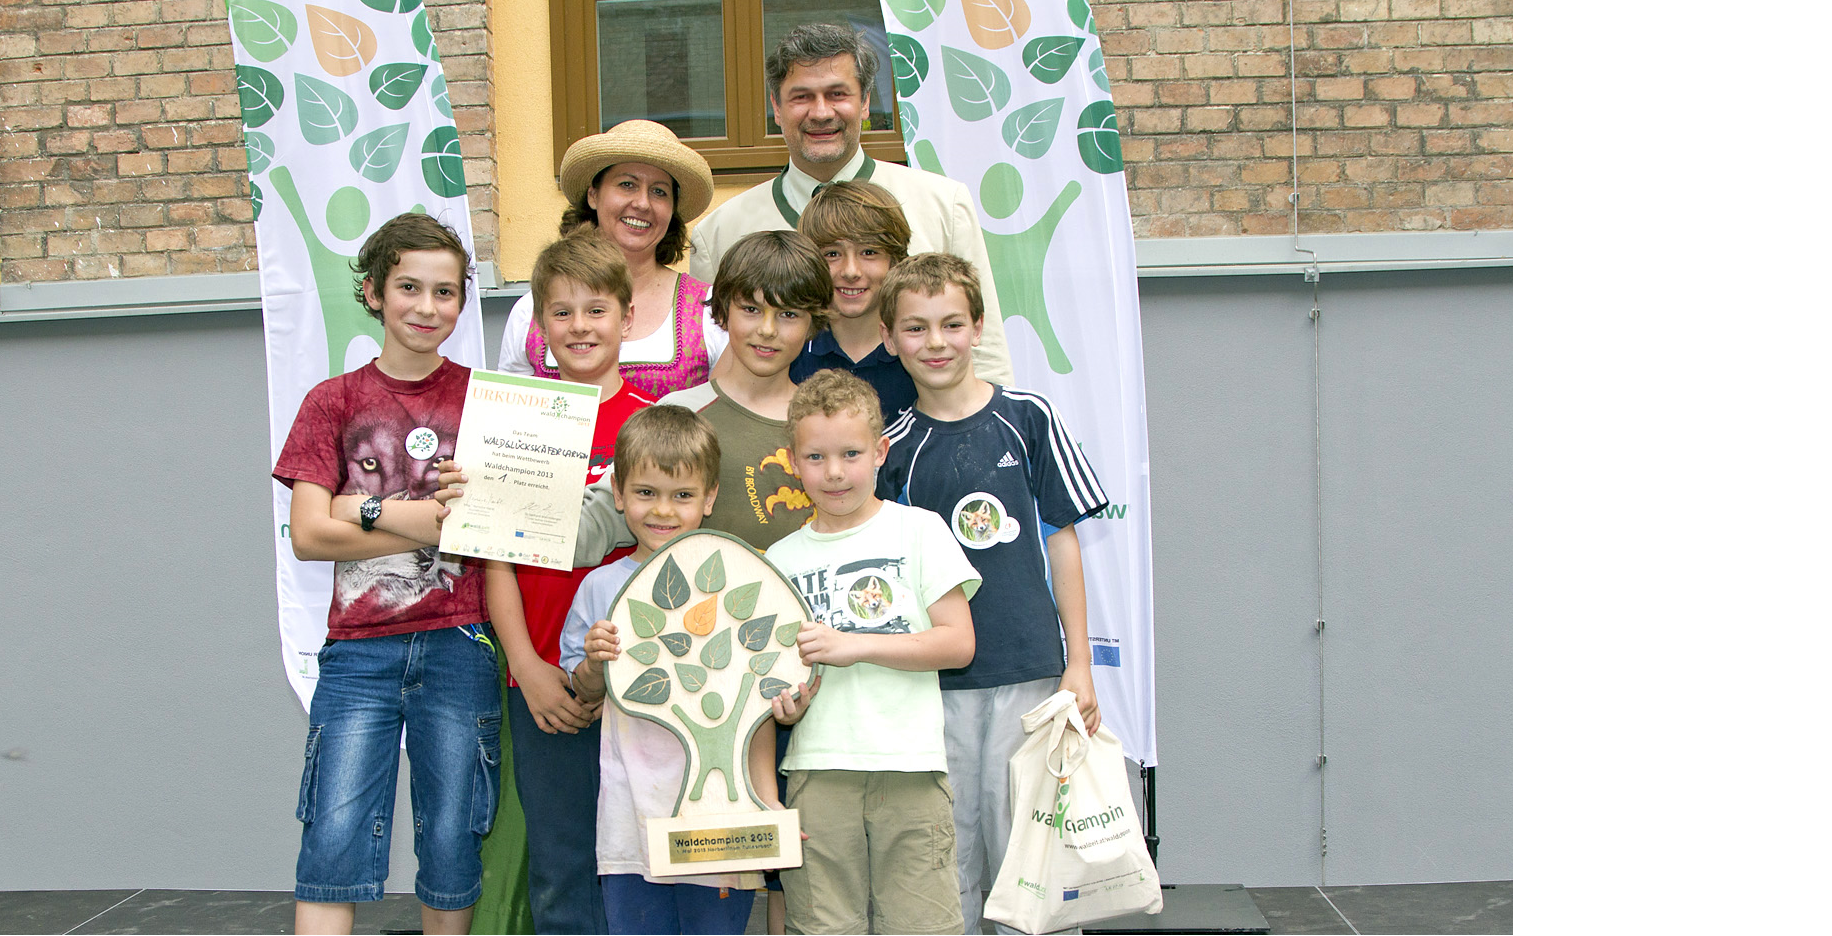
1001,468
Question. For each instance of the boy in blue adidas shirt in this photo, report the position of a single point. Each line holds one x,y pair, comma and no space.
1003,471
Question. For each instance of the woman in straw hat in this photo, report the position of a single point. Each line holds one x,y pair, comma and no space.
638,185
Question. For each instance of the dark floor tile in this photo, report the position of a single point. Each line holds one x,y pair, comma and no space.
1297,910
173,911
53,911
1466,907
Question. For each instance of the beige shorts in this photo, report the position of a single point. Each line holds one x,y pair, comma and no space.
878,842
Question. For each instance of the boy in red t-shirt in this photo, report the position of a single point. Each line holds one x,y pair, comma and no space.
408,643
581,292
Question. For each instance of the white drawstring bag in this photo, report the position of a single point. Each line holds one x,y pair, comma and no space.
1076,853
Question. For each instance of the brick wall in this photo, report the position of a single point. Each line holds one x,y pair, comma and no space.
1404,107
120,137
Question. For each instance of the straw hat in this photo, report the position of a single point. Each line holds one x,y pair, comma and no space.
639,141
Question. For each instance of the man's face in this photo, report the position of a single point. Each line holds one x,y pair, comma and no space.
821,110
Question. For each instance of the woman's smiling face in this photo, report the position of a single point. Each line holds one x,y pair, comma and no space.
634,202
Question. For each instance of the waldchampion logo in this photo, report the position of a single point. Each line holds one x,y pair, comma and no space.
422,443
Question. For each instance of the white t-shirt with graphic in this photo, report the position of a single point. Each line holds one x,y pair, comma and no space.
877,578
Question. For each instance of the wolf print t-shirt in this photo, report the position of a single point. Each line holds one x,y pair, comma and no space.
365,432
879,577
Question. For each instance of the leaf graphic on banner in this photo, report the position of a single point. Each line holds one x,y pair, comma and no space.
771,687
710,577
906,118
343,43
976,87
393,6
377,154
755,633
262,94
1031,129
693,678
670,583
394,84
926,158
651,688
326,114
647,619
762,662
909,63
445,103
646,652
260,151
1081,15
677,643
1048,58
423,37
1097,69
995,24
916,15
700,618
1098,134
255,198
717,653
713,704
741,602
266,29
785,634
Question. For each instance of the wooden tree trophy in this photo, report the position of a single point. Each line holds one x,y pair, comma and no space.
708,627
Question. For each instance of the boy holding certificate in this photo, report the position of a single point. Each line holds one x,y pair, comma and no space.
408,639
581,292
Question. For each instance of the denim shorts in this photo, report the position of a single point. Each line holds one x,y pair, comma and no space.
441,685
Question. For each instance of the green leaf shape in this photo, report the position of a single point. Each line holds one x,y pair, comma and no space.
423,37
262,93
326,113
444,102
741,602
646,652
693,678
651,688
762,662
1031,129
1097,68
671,589
771,687
266,29
396,83
710,576
785,634
909,63
260,148
717,651
1048,58
393,6
926,158
254,198
1081,15
1098,135
647,619
678,643
755,634
377,154
976,87
713,704
916,15
908,120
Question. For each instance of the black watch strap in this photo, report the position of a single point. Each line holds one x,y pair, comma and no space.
370,511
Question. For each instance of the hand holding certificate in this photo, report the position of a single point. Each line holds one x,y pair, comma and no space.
524,442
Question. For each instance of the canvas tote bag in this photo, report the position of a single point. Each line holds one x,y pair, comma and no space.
1076,853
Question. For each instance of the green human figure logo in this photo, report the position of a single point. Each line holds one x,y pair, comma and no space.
715,745
346,216
1017,259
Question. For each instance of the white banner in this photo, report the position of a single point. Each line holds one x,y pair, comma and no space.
347,124
1011,99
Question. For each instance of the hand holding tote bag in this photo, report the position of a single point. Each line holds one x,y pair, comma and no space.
1076,853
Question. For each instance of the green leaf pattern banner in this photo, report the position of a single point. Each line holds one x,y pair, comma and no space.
1011,98
347,123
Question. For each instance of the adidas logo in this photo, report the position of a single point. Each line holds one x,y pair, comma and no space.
1008,461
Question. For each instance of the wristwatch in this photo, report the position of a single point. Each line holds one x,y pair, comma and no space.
371,511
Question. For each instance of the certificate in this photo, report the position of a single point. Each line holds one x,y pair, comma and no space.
525,444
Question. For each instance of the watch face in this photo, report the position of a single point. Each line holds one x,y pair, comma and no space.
371,511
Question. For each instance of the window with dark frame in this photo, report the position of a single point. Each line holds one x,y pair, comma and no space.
696,66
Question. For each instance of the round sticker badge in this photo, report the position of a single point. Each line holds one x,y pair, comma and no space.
422,443
980,522
870,598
